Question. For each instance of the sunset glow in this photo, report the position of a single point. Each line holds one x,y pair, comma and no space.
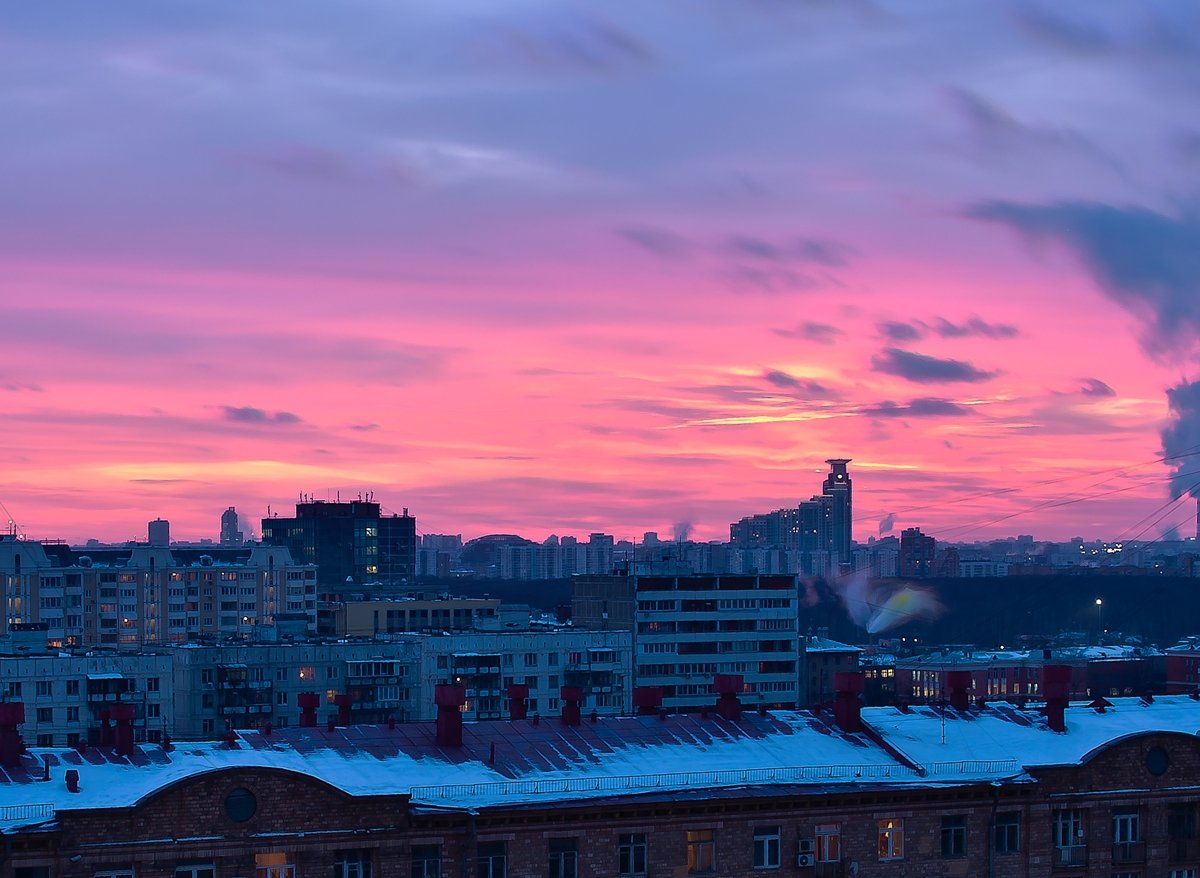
545,268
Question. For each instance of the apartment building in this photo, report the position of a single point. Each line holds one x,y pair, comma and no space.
687,629
69,698
138,594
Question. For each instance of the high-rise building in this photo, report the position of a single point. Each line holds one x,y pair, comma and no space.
230,534
917,553
841,510
158,533
354,547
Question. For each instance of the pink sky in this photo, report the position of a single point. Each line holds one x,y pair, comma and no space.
547,268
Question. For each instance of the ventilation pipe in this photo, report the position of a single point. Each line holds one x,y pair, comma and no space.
122,715
647,699
518,701
449,700
572,701
308,702
343,702
12,714
727,687
959,684
1056,687
846,707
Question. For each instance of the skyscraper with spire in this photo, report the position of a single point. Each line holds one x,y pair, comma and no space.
841,509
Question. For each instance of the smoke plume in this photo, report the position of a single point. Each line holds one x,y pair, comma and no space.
877,607
683,530
887,523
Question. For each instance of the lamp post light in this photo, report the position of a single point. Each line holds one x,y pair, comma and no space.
1099,618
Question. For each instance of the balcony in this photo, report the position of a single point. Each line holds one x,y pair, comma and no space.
1129,852
1072,856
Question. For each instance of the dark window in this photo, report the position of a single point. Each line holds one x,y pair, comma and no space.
352,864
1181,821
240,805
1008,832
1157,761
492,862
701,851
195,870
426,861
954,835
31,872
564,858
631,855
766,847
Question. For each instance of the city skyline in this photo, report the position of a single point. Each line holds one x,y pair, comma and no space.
541,268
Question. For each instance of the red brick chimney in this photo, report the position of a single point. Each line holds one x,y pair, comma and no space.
1056,687
343,702
122,715
572,701
959,684
846,708
106,732
518,701
647,699
12,714
449,700
308,701
727,687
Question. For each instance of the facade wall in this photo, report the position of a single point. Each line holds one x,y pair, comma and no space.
64,695
691,628
485,664
943,831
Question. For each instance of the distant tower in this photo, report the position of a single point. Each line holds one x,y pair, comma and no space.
230,535
159,532
841,512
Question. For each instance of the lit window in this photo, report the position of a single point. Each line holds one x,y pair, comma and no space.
273,866
891,839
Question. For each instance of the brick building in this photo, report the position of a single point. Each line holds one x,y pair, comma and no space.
962,791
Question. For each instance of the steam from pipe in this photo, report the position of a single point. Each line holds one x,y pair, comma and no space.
877,607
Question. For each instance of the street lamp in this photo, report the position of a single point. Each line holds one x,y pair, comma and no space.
1099,618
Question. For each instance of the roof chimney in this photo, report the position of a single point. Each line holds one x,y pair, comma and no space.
449,700
122,714
959,682
572,700
846,708
727,687
518,701
12,714
106,732
647,699
72,779
343,702
1056,686
308,702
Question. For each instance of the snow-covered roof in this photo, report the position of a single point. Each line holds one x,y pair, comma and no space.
547,761
824,644
1000,731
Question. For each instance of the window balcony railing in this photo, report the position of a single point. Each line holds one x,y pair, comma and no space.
1129,852
1182,850
1071,855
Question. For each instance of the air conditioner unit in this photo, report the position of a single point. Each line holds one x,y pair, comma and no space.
803,860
